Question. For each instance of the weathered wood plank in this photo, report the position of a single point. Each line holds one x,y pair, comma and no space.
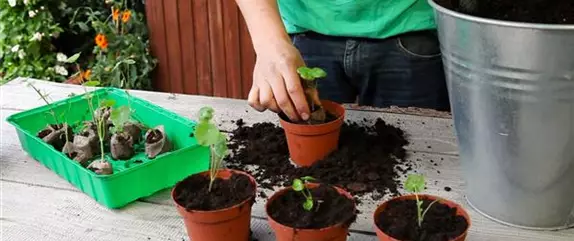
202,54
217,48
155,20
426,134
187,40
174,53
40,213
247,57
232,49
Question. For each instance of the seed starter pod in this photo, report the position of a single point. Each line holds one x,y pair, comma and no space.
122,146
101,167
134,130
156,142
86,145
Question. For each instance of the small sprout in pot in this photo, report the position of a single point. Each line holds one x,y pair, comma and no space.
309,77
207,134
122,142
415,183
156,142
299,186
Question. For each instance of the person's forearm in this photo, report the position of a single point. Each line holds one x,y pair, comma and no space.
263,21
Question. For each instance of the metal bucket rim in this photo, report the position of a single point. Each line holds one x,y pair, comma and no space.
471,18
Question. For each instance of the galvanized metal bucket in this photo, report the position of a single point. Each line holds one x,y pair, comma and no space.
512,95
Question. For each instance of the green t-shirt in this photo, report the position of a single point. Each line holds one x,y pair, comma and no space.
356,18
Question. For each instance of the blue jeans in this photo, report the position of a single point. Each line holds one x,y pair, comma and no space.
404,71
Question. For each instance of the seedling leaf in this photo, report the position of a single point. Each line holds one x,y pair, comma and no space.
205,113
107,103
92,83
220,146
120,116
73,58
206,134
311,73
308,178
415,183
308,204
298,185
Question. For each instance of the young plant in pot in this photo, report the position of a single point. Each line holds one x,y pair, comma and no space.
215,204
420,217
311,211
312,140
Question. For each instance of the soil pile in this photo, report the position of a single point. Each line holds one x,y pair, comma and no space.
369,158
530,11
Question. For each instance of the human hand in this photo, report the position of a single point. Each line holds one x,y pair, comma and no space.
276,84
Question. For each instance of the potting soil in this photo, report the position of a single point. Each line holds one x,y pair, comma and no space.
370,157
329,208
194,194
441,223
529,11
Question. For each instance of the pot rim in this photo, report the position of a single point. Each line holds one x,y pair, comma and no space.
537,26
218,210
310,185
428,196
339,118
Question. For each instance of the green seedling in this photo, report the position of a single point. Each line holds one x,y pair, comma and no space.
299,186
44,97
309,77
207,134
415,183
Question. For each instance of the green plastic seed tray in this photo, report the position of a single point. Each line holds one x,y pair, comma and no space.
132,179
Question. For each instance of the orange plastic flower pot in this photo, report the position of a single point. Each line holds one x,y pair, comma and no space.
229,224
459,211
310,143
336,232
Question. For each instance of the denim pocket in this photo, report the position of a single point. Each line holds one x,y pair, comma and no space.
422,44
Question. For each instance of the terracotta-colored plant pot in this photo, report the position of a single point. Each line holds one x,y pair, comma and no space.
336,232
310,143
229,224
459,211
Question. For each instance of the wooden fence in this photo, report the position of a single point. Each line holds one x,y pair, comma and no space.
203,47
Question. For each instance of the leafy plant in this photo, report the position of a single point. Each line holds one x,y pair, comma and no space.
309,77
27,29
122,56
415,183
207,134
299,186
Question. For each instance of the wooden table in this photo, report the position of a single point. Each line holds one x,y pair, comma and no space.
36,204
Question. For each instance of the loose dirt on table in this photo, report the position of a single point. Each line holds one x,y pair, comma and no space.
529,11
371,157
399,220
333,208
194,194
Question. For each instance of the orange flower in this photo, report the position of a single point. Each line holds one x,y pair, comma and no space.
86,74
115,14
126,15
101,41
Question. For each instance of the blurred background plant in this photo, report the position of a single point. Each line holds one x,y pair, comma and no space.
27,29
121,56
37,35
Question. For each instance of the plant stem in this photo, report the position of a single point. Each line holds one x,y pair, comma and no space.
47,103
419,211
101,134
427,209
212,168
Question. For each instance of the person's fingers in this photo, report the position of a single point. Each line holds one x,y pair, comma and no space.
295,91
253,99
266,97
283,100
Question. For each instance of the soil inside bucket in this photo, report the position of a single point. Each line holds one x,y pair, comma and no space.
529,11
329,208
441,223
371,157
193,192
